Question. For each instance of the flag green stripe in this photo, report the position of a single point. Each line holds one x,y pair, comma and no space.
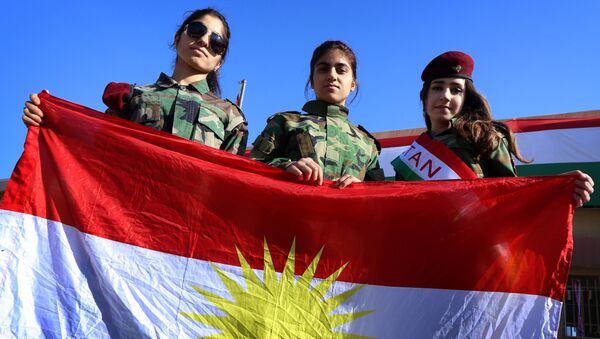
406,172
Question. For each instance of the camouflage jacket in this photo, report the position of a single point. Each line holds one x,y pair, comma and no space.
498,164
324,134
191,112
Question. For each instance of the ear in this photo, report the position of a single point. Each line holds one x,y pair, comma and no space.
219,65
175,40
353,86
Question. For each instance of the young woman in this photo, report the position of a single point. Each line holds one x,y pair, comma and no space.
188,102
322,143
461,133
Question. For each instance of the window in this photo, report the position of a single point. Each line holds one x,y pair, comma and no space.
582,307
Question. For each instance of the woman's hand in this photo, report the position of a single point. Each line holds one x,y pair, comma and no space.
32,114
307,171
584,187
345,180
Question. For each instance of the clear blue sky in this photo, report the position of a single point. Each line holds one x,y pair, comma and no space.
532,57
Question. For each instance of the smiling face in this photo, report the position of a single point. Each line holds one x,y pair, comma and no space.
332,78
196,55
445,99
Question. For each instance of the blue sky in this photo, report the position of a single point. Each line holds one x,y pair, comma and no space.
532,57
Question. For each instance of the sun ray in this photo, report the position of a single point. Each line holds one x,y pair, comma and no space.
235,289
340,319
290,264
309,274
252,282
324,285
333,302
269,279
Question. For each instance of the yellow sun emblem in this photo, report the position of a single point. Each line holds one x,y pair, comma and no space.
284,308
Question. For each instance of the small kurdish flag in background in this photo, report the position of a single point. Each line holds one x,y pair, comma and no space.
553,146
110,229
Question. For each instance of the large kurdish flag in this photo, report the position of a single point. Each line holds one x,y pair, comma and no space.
111,229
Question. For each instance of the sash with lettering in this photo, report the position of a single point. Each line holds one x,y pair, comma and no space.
428,159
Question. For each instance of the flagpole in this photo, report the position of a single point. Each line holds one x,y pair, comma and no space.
240,98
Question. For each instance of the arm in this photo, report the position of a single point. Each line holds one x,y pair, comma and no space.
236,131
269,146
374,171
236,139
500,162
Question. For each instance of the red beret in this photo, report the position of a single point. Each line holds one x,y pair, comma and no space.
453,64
117,95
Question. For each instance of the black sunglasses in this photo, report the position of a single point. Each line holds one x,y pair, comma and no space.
197,30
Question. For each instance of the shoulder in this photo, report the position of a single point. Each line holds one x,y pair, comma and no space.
368,136
286,116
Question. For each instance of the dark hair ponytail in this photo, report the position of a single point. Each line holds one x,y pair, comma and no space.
213,76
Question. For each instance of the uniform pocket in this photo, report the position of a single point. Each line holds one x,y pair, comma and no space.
210,123
264,144
305,145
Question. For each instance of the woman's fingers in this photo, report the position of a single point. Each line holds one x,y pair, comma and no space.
307,170
345,181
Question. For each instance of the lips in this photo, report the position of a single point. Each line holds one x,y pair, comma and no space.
199,51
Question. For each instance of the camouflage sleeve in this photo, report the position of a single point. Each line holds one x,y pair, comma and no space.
269,146
236,139
500,163
374,171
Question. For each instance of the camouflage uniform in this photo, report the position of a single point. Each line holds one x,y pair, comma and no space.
325,135
498,164
191,112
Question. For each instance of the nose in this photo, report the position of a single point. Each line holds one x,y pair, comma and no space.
446,95
331,75
203,41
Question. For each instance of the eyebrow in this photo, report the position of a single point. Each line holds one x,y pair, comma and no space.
339,64
443,82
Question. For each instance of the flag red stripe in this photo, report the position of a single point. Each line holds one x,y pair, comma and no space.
124,182
516,125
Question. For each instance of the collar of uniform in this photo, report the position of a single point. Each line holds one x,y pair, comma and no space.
166,82
322,108
448,131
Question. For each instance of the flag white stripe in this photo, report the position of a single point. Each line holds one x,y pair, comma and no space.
561,145
76,285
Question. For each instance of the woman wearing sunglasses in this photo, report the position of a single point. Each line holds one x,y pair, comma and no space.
188,103
322,143
462,141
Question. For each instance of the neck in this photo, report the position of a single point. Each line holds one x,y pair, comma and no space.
186,75
439,127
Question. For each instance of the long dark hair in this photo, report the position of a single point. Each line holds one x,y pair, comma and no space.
322,50
213,76
474,123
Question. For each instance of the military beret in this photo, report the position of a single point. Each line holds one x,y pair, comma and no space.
117,95
453,64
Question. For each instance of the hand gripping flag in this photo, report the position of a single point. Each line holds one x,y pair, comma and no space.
111,229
